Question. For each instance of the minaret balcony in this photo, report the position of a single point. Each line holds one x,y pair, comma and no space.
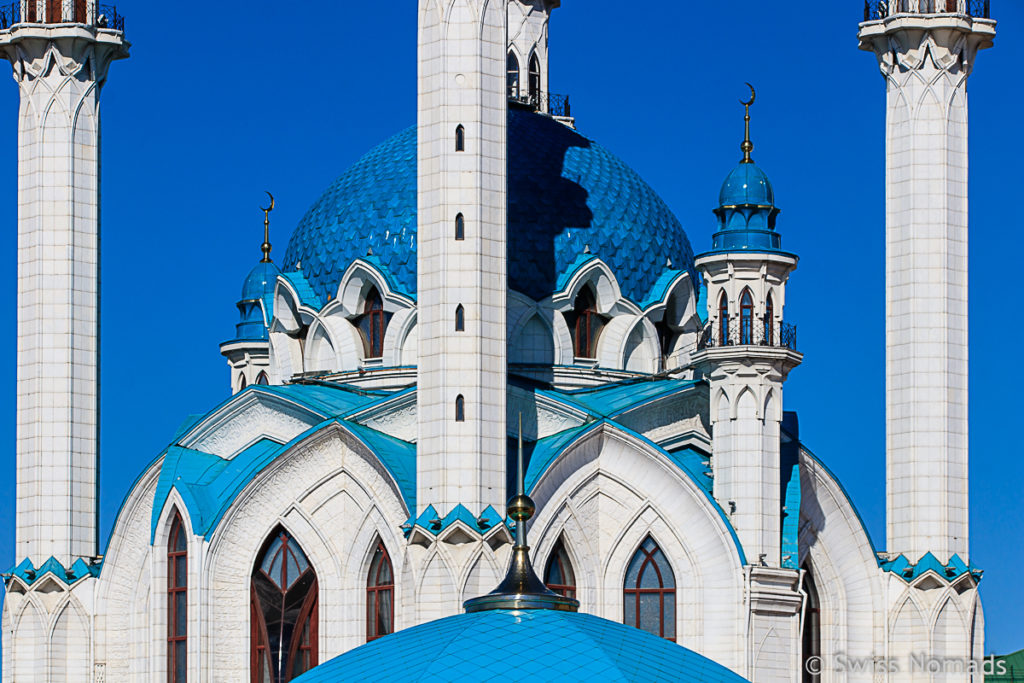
881,9
748,332
48,12
548,103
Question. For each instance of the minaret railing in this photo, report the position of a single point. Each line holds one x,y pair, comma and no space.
86,12
740,331
881,9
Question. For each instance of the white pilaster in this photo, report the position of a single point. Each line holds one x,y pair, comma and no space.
926,59
60,71
462,50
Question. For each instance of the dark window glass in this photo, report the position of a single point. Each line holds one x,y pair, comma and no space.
54,13
263,379
585,324
284,606
460,227
559,575
650,592
723,320
380,595
242,383
373,324
812,627
769,321
460,409
746,318
535,79
512,73
177,603
460,319
460,139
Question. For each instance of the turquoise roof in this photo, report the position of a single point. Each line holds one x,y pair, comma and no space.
566,193
746,212
29,574
747,184
537,645
257,298
307,295
901,567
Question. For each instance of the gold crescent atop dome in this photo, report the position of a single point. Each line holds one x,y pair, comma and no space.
271,207
265,248
753,97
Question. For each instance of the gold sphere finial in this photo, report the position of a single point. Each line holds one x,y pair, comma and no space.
521,508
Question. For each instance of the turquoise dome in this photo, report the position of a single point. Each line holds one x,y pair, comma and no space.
566,193
260,281
747,184
258,288
527,645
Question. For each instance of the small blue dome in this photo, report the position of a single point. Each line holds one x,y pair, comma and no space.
260,281
257,300
747,185
539,645
565,193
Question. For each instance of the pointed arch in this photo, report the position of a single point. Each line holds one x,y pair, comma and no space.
512,75
69,646
460,227
535,80
460,138
284,608
30,645
262,379
460,408
380,594
650,592
811,626
746,317
559,575
769,320
460,318
585,323
373,323
177,602
723,320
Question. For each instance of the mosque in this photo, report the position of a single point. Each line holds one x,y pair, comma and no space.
487,278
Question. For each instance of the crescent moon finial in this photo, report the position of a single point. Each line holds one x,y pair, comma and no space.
266,229
747,145
271,207
753,97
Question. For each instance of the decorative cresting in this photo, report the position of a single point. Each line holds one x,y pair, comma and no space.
60,70
926,57
521,589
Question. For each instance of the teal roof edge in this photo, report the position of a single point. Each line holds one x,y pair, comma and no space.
80,569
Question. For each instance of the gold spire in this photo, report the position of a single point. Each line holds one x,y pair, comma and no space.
747,145
266,229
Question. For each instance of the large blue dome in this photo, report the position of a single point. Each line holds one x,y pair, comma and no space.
526,645
565,193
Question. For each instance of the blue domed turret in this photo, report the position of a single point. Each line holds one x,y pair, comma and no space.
257,299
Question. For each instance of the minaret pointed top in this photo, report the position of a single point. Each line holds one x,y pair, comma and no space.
747,145
265,247
521,589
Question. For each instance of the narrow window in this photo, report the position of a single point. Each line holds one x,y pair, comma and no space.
460,139
263,379
723,320
373,324
746,318
242,384
460,319
535,80
812,627
80,11
585,324
460,409
285,614
32,16
380,595
559,575
54,13
769,321
512,74
460,227
650,592
177,603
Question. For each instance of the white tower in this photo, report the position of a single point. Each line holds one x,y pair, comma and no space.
926,50
60,53
462,282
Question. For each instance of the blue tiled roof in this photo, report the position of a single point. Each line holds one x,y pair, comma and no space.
307,295
565,193
537,645
257,297
613,399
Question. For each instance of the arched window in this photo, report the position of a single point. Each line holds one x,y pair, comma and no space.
746,318
460,408
373,324
460,227
812,627
460,139
512,75
535,80
263,379
177,603
242,384
558,575
769,321
460,319
723,320
585,324
380,595
650,592
284,612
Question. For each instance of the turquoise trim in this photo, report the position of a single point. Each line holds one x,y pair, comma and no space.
30,574
661,288
901,567
431,523
307,295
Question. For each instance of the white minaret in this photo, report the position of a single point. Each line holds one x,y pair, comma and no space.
926,51
60,64
462,271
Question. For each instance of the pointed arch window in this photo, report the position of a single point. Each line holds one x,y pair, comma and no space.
460,139
373,324
380,595
769,321
262,379
723,320
559,575
812,627
285,612
460,318
535,80
242,384
512,75
460,227
746,318
460,408
650,592
177,603
586,324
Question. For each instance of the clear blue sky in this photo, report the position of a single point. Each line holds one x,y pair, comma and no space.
223,101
